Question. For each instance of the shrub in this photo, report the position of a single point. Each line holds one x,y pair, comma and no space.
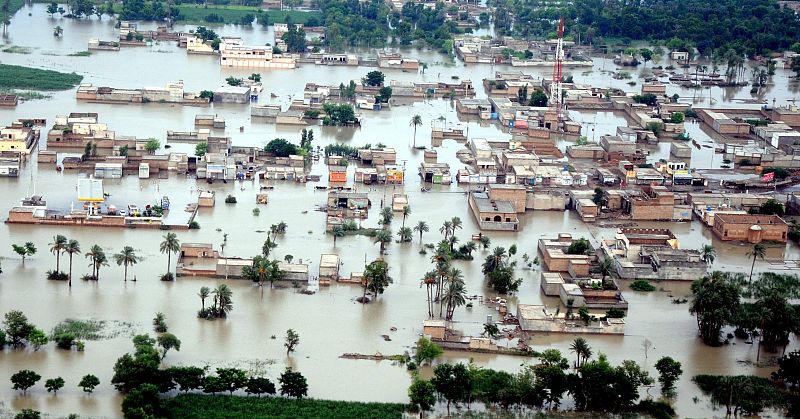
64,340
57,276
230,199
169,276
642,285
194,225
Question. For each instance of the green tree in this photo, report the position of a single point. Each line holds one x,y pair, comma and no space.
708,254
187,378
416,121
201,149
376,278
426,351
132,371
758,252
37,339
72,248
454,295
259,386
337,231
126,257
293,384
715,302
232,379
168,341
54,384
677,118
203,294
582,351
538,99
743,394
421,227
281,148
25,250
28,414
383,237
97,258
152,145
52,9
374,78
386,216
647,55
24,379
56,248
405,234
422,394
291,341
789,370
452,382
88,383
17,328
169,245
669,370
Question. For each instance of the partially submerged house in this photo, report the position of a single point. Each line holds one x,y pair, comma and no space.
653,253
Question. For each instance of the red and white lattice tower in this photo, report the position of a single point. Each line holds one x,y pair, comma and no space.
555,87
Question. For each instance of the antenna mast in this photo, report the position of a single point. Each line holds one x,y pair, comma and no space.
555,87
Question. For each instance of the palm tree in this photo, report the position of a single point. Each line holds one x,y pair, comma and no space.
708,254
445,229
455,224
56,247
405,234
383,236
759,251
452,240
494,261
416,121
126,257
170,245
268,245
470,247
421,227
454,296
337,231
429,280
72,247
582,351
97,258
386,216
203,294
485,242
406,212
606,266
223,302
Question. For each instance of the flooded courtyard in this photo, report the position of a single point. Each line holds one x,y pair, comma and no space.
330,322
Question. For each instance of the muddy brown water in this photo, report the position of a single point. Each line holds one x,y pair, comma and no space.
330,322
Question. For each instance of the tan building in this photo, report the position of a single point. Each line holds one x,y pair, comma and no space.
491,214
750,228
245,56
555,257
516,194
655,203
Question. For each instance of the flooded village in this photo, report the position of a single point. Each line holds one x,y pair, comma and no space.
401,210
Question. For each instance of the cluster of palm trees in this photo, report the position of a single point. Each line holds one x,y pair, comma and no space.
581,350
444,284
97,257
222,302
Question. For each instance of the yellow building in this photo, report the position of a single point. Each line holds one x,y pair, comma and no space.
15,139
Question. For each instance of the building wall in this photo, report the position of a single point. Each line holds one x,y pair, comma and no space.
728,231
516,196
649,210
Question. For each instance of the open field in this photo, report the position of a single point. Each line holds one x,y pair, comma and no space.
18,77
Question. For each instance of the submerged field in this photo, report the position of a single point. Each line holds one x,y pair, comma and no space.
192,13
204,406
18,77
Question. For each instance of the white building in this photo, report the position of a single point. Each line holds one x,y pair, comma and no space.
245,56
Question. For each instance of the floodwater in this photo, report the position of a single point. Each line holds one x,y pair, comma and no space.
330,322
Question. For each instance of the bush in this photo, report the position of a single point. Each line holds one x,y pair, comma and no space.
64,340
169,276
57,276
194,225
642,285
230,199
579,247
615,313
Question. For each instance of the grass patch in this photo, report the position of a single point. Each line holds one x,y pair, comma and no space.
642,285
206,406
192,13
16,49
80,54
18,77
92,329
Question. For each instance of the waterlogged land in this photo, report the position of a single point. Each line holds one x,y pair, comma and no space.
330,323
200,406
18,77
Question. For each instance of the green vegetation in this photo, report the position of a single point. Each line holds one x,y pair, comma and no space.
746,394
748,26
198,13
642,285
17,49
203,406
80,54
280,148
18,77
80,329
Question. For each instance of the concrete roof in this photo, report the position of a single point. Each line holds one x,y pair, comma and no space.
484,204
